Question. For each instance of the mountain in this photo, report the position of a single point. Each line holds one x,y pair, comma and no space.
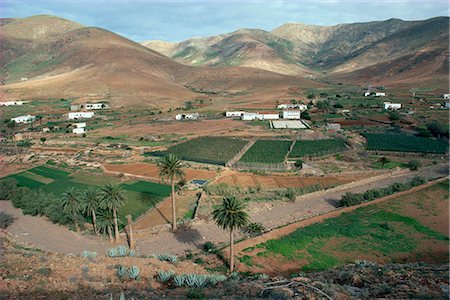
64,59
302,49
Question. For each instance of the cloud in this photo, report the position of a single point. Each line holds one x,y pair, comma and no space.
174,21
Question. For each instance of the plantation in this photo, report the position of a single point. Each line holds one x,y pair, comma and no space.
213,150
267,151
304,148
404,143
403,228
139,195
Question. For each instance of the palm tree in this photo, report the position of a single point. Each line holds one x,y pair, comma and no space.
91,203
105,223
231,215
112,198
71,204
170,168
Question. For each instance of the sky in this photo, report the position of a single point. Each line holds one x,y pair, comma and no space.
142,20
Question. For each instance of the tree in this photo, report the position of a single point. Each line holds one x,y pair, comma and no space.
305,115
12,125
43,139
91,204
311,96
414,165
394,116
383,160
39,118
298,164
323,105
231,215
170,169
71,203
105,223
112,198
188,105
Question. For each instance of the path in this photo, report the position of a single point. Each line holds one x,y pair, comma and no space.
48,236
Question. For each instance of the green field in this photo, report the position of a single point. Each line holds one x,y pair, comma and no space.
392,231
140,195
267,151
404,143
317,147
213,150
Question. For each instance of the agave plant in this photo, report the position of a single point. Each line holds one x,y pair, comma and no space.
165,276
215,279
133,272
131,253
179,280
122,251
167,257
121,271
112,252
191,279
122,296
201,281
88,254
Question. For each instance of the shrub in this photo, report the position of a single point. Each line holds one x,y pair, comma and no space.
298,164
164,276
7,187
133,272
254,228
44,271
414,165
291,194
5,220
209,247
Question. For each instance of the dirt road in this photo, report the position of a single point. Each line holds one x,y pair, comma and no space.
51,237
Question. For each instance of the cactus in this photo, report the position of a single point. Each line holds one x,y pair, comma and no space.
133,272
112,252
179,280
121,251
121,271
164,276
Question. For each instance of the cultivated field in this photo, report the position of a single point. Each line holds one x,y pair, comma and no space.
404,143
152,172
213,150
316,147
267,151
412,227
139,195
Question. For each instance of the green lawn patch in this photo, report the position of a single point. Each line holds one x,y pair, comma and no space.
317,147
404,143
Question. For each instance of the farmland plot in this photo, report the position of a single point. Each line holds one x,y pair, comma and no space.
304,148
404,143
213,150
267,151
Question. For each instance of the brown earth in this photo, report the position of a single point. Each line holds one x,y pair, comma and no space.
151,171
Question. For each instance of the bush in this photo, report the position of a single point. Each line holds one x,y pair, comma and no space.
414,165
254,228
7,187
209,247
291,194
5,220
298,164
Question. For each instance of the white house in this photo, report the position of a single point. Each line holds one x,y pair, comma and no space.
392,106
79,130
80,115
302,107
270,115
292,114
96,106
23,79
248,116
380,94
12,103
193,116
446,96
24,119
234,114
79,125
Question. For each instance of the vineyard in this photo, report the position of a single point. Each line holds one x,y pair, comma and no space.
213,150
139,195
267,151
404,143
304,148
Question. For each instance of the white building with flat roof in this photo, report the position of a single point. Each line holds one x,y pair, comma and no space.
249,116
270,115
80,130
380,94
79,125
292,114
193,116
12,103
234,114
392,106
96,106
302,107
24,119
80,115
446,96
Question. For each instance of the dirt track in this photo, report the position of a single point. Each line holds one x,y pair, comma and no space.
51,237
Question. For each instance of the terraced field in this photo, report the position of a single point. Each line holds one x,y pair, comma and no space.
213,150
267,151
404,143
139,195
304,148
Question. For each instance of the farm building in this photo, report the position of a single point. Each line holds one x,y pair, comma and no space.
79,125
292,114
75,107
446,96
233,114
289,124
380,94
392,106
270,115
447,105
247,116
333,126
366,94
24,119
193,116
79,130
80,115
45,129
301,107
96,106
12,103
23,79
